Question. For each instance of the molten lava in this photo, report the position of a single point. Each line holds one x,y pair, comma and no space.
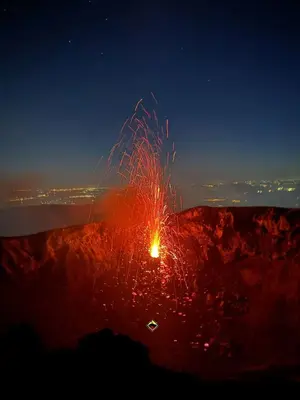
154,249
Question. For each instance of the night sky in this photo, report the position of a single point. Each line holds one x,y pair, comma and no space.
225,73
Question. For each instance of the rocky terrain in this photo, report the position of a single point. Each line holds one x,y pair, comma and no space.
230,234
243,288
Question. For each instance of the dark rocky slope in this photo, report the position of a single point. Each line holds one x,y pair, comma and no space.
241,304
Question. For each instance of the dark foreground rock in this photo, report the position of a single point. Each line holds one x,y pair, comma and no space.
103,361
235,308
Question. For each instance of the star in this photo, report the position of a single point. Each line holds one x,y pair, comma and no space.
106,19
101,54
70,41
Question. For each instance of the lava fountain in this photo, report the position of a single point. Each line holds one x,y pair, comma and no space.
143,165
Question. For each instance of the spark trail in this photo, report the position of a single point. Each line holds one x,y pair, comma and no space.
147,202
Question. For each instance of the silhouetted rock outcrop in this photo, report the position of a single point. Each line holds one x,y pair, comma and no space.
100,359
104,361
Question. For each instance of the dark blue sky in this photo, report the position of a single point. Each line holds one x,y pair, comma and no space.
226,73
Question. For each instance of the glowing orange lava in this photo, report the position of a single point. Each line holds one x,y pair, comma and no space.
155,246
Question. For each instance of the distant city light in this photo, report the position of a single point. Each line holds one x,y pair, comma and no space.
278,192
